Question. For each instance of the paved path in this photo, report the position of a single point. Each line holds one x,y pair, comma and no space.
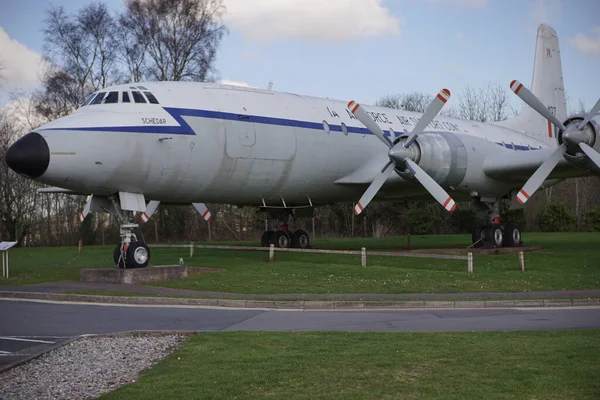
70,286
29,318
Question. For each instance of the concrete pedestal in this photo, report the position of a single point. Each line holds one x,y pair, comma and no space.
137,275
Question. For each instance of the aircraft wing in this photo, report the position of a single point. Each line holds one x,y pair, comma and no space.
520,165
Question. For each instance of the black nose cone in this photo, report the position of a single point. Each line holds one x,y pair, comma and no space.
29,155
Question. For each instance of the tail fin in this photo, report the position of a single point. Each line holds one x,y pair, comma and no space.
547,84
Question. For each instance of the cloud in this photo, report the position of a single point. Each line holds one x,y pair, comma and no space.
587,45
471,3
316,20
22,67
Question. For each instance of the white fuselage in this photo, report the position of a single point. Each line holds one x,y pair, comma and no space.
226,144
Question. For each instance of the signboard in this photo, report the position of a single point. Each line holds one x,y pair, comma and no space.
4,246
7,245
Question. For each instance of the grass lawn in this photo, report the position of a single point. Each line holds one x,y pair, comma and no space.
568,261
499,365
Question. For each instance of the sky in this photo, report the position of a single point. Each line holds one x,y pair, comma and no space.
362,49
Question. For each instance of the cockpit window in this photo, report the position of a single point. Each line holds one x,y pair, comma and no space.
112,97
138,97
98,98
151,98
87,101
125,97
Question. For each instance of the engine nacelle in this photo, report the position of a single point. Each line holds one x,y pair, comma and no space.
587,135
442,155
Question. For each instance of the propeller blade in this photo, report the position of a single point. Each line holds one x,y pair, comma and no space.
595,110
542,173
374,187
432,111
150,210
203,210
431,186
591,153
532,101
367,121
86,209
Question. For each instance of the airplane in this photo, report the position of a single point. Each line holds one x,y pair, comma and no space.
185,142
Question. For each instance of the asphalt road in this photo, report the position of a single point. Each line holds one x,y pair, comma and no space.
27,318
17,348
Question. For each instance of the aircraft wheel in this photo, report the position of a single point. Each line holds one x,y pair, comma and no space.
267,238
478,237
494,235
281,239
300,240
137,255
512,236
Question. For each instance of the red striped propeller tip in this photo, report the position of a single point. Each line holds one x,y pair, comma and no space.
444,95
515,86
353,106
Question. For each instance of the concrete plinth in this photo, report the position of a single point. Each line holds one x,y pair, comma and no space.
137,275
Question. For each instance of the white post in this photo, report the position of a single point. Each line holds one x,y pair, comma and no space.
191,249
271,252
470,263
3,265
363,257
522,261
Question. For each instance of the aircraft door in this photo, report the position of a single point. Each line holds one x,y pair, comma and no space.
240,137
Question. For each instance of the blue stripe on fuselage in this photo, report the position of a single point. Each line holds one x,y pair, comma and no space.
185,129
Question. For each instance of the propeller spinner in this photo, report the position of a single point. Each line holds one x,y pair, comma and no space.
575,136
401,154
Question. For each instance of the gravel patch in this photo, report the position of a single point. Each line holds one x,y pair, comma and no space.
88,367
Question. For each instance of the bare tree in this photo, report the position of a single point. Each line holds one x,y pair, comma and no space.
180,37
61,94
84,46
415,101
488,104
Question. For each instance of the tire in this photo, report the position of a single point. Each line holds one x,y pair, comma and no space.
512,236
267,238
119,261
137,255
494,235
300,240
478,237
281,239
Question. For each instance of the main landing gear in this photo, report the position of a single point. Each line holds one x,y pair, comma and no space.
284,238
495,235
132,252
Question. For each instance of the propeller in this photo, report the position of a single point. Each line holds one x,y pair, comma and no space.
401,154
574,138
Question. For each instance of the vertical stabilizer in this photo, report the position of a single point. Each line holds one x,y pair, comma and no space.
547,85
